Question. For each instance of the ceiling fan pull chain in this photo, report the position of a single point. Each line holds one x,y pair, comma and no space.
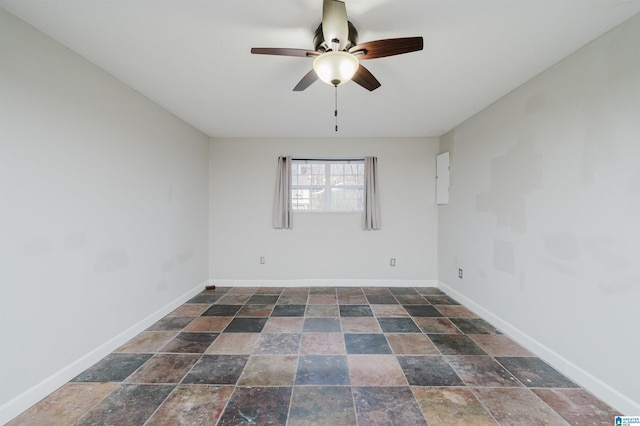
335,113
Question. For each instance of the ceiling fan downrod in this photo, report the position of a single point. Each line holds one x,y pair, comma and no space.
335,113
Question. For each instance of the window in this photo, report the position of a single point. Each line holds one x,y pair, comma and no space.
327,185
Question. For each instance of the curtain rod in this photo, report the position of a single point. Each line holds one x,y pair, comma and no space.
327,159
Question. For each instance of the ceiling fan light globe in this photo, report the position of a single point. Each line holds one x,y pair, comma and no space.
336,68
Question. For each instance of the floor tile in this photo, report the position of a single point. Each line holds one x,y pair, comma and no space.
164,368
127,404
533,372
381,299
577,406
441,300
216,370
295,291
322,343
278,343
355,311
269,370
322,406
474,326
360,325
436,326
430,291
389,310
283,325
262,299
288,311
428,371
398,325
222,310
148,342
115,367
270,290
208,324
517,407
65,405
299,299
451,406
242,290
234,344
499,345
205,298
341,355
375,370
350,291
171,324
411,299
478,370
233,299
387,406
351,299
190,310
323,290
322,370
192,405
455,344
411,344
422,311
322,299
402,291
328,325
456,311
322,311
257,406
365,343
246,325
190,343
375,291
255,311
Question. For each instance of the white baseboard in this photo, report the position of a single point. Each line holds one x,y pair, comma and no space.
597,387
322,283
26,399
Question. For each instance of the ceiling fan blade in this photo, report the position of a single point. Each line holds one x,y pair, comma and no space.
306,81
387,47
334,23
365,79
283,51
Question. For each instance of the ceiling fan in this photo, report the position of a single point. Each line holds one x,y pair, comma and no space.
337,55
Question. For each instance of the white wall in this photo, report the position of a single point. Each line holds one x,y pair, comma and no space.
322,246
544,216
103,213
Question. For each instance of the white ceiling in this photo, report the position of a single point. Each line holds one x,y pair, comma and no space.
192,57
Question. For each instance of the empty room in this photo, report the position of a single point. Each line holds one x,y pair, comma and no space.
319,212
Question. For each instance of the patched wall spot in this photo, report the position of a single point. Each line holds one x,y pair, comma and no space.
111,260
504,258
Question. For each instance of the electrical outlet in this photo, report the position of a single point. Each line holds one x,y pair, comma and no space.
392,262
460,273
262,260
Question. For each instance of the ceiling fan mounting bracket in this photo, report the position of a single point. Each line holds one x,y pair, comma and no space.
321,45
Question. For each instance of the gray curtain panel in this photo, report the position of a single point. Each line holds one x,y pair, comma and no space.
282,214
371,214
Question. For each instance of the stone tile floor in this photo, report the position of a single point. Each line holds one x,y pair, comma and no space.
320,356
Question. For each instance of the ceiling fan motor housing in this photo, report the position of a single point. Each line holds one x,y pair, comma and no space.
322,46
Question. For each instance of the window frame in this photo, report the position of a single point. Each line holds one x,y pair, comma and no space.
327,186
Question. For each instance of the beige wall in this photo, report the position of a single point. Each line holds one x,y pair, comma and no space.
103,213
544,215
322,246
